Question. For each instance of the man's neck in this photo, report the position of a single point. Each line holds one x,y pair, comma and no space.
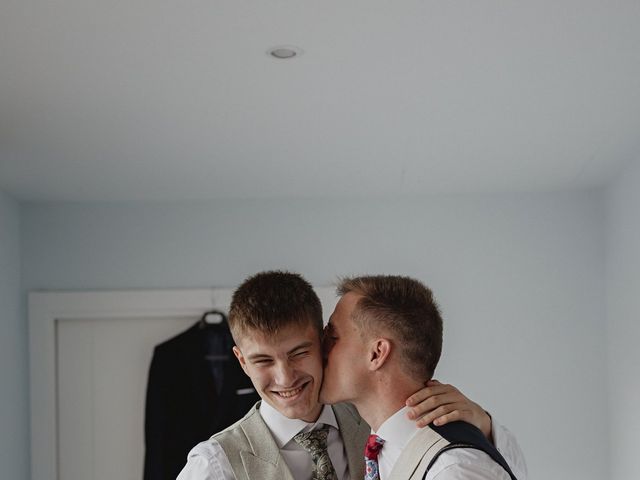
386,398
375,415
314,414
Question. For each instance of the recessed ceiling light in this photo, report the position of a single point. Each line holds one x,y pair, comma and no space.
284,52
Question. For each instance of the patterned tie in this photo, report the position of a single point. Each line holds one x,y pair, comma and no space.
371,450
315,442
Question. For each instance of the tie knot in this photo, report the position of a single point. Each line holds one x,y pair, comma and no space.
373,447
314,442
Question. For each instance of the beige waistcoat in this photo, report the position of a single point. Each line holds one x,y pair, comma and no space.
254,454
416,456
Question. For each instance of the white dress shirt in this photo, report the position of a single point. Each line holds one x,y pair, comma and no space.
455,464
207,460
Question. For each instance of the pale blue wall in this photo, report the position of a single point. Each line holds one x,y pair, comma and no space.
520,279
623,320
14,404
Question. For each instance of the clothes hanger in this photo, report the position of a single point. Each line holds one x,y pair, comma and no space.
213,318
215,321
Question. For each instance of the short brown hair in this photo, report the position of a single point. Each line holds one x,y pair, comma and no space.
404,308
269,301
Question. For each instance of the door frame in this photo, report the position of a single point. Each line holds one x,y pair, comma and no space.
46,309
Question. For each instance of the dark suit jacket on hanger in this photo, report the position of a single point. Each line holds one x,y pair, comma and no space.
183,406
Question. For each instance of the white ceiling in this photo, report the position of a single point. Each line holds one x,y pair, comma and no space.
168,99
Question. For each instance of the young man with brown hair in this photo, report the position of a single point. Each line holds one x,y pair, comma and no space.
383,343
276,321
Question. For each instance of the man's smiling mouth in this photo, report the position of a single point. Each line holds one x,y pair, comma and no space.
291,393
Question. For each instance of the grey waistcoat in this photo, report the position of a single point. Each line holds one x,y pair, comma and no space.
254,454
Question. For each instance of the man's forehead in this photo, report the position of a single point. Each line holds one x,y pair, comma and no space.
286,337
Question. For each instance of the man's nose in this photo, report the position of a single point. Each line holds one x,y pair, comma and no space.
285,375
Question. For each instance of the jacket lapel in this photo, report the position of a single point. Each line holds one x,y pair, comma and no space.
263,460
354,431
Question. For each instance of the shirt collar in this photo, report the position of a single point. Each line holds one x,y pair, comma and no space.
284,429
396,431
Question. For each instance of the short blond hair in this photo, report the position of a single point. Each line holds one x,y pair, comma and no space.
405,309
272,300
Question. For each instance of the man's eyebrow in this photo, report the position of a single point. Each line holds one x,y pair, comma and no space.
264,356
299,347
259,356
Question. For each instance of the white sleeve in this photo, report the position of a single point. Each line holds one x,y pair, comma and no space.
207,461
507,445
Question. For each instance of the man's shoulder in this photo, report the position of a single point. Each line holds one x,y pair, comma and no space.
466,452
236,431
207,449
207,461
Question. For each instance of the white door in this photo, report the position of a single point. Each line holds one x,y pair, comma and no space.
102,378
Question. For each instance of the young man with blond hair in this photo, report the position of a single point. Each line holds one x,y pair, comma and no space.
383,342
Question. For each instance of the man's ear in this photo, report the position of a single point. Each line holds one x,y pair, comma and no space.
379,353
241,359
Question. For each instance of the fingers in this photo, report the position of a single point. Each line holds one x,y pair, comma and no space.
453,412
436,409
430,391
456,415
432,403
442,403
444,414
